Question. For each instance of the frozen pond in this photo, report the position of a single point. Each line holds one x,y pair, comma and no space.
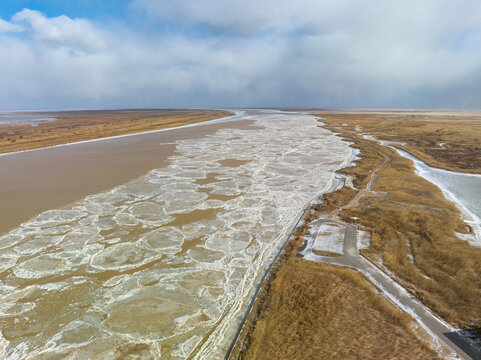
463,189
163,266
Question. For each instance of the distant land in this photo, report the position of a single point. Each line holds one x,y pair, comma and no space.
29,130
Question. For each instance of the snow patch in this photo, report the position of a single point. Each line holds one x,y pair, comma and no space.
363,239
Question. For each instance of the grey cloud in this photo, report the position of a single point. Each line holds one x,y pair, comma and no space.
253,17
260,53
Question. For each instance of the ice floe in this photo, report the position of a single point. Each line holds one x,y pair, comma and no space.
155,265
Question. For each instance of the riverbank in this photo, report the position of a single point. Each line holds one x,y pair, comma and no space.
414,229
461,188
311,310
447,140
77,126
414,239
163,265
37,180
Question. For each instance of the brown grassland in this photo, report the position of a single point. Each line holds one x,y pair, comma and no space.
412,230
309,310
412,225
447,140
72,126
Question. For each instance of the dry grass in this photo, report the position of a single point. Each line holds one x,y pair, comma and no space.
326,253
423,133
320,311
412,225
309,310
73,126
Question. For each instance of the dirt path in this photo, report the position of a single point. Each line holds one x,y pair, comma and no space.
443,334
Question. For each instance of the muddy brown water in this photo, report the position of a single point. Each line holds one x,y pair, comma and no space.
164,264
34,181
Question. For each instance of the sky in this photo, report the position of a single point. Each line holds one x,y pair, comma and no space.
57,54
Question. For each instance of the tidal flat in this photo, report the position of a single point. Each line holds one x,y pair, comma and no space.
164,265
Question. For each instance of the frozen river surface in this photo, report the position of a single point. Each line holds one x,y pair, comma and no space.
163,266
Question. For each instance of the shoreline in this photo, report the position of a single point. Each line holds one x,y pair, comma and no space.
468,215
66,173
242,343
247,269
471,239
214,121
471,218
441,140
336,182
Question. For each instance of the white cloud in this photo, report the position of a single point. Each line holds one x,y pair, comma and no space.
250,53
76,33
6,26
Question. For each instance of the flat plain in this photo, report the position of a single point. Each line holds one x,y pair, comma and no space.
73,126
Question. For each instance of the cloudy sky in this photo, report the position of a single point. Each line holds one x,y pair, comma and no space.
226,53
